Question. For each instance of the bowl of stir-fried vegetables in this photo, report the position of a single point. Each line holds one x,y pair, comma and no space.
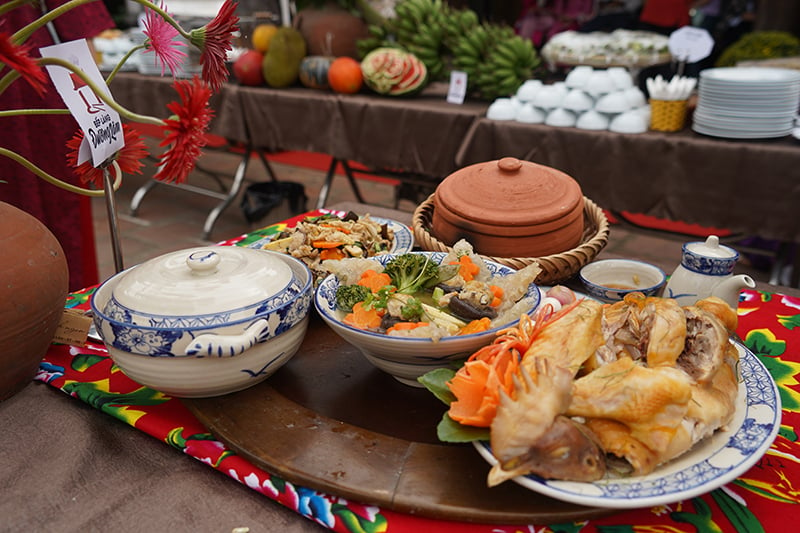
410,313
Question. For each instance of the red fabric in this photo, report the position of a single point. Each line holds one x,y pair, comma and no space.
42,139
666,13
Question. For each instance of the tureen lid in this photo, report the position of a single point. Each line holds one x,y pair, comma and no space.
202,281
510,193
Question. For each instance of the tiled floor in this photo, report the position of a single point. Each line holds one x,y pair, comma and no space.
171,219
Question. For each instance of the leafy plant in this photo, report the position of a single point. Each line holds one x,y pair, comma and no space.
760,45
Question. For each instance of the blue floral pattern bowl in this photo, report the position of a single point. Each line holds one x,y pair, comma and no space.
407,358
194,334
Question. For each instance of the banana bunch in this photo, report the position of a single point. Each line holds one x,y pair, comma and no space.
418,27
457,22
378,38
496,60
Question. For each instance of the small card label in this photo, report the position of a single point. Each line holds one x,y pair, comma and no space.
101,125
690,44
458,87
73,328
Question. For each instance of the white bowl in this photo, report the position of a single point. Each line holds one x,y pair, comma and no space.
614,102
635,97
578,76
193,340
548,97
529,114
621,77
527,91
407,358
560,117
628,122
592,120
501,109
599,82
577,100
610,280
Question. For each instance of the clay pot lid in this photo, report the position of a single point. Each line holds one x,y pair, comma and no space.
509,192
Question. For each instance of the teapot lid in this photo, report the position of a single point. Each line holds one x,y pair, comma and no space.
509,192
199,281
711,249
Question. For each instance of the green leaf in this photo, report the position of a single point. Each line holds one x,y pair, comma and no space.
436,382
449,430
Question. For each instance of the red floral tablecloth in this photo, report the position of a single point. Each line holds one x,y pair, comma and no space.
762,499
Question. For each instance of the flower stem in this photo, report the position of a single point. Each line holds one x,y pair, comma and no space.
122,61
22,112
103,95
23,33
52,179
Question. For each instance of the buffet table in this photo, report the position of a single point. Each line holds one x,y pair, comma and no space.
679,176
69,466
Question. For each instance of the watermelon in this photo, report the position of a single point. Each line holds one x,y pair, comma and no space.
394,72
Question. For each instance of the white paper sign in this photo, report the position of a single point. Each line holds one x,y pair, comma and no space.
690,44
101,125
458,87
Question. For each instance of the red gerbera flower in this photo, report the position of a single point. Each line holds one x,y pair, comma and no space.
214,41
161,35
18,58
185,131
129,158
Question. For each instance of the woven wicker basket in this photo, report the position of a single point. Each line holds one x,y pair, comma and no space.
555,268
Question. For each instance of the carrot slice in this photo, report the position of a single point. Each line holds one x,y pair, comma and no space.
476,326
374,281
363,318
406,326
326,244
332,253
498,295
467,268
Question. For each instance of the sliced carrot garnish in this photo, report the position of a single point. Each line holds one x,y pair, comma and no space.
332,253
467,268
326,244
476,326
363,318
374,281
405,326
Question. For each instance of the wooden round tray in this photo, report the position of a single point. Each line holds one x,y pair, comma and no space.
555,268
330,421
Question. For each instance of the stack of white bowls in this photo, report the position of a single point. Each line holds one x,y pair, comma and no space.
747,102
589,98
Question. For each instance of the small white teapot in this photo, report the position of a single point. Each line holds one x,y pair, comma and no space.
706,269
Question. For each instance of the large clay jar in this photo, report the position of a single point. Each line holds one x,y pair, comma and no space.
509,208
331,30
34,281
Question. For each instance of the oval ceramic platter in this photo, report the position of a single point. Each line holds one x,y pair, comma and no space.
710,464
403,238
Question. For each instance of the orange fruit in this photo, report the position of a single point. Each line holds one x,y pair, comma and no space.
262,36
344,75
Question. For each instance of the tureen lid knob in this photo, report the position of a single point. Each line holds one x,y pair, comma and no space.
203,262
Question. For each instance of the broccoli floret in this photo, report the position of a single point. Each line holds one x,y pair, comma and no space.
412,272
349,295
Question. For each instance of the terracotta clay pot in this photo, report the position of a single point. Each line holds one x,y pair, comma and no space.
509,208
331,30
35,281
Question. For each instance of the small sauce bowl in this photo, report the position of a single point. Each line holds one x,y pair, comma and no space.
609,280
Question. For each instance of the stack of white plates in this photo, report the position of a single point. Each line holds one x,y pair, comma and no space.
747,102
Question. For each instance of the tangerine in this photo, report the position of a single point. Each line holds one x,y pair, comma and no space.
345,76
262,36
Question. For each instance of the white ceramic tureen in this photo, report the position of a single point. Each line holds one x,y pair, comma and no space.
204,321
